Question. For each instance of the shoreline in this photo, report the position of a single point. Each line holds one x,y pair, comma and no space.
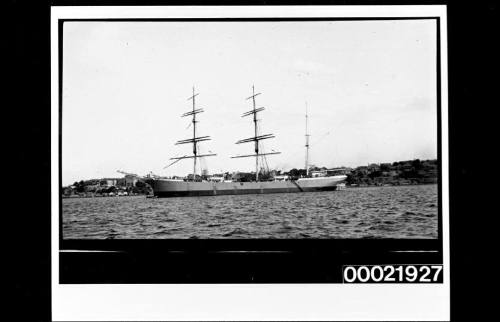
391,185
343,188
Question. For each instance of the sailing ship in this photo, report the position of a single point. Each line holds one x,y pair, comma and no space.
197,185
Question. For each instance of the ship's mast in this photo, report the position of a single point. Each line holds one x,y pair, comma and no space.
194,134
256,138
256,141
307,146
195,139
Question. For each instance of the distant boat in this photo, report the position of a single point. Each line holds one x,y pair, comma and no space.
196,185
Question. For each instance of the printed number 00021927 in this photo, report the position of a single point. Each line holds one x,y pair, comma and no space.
392,273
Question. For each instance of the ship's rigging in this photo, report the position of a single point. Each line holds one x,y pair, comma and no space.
307,146
257,137
195,139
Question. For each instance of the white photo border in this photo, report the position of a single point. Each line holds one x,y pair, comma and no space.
147,302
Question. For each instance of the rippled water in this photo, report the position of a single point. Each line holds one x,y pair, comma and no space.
372,212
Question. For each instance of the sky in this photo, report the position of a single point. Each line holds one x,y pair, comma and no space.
370,88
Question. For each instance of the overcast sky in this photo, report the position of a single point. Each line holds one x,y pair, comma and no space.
370,87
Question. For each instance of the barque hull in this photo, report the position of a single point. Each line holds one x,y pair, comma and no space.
178,188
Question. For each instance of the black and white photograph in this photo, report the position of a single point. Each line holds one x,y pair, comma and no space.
251,146
264,129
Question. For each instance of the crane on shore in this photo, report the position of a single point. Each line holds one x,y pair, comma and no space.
127,173
150,175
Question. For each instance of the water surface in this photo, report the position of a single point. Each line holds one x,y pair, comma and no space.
371,212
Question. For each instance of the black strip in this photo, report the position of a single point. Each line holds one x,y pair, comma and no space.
151,266
26,197
235,244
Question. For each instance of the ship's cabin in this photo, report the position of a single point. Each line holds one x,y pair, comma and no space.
329,172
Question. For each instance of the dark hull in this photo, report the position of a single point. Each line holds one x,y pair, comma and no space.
197,193
180,188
